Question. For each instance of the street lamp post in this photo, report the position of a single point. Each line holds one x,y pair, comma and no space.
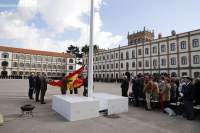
90,64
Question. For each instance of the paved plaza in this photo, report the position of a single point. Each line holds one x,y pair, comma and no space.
13,94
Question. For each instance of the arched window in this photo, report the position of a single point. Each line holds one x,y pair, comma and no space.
133,64
27,65
184,60
196,59
4,64
112,75
71,61
133,53
27,73
195,43
39,65
116,65
184,73
54,66
70,67
107,66
64,67
59,67
4,55
14,72
127,66
117,76
127,55
33,65
122,56
53,74
107,75
49,74
173,74
4,73
49,66
14,64
22,56
196,74
44,66
122,65
21,73
21,64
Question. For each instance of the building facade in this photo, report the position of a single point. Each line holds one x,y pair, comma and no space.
176,54
23,62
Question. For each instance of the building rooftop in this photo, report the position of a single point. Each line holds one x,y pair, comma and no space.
35,52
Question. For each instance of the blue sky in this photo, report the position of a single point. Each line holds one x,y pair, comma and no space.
160,15
115,19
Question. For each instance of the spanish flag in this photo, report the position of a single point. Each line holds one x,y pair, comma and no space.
73,80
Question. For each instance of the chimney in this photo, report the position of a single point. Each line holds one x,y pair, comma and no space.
173,33
159,36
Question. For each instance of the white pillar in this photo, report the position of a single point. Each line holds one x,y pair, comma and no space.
90,64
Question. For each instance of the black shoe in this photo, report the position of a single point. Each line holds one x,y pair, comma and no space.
190,118
43,103
37,100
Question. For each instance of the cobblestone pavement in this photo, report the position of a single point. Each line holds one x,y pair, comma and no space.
13,94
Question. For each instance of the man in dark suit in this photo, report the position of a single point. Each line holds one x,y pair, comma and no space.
43,87
37,87
85,92
31,86
63,89
188,95
136,89
124,86
197,91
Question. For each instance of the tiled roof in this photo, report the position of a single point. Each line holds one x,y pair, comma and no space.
34,52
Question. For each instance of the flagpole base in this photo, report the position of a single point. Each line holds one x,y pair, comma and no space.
112,103
74,108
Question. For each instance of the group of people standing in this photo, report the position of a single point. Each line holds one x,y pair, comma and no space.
37,86
64,88
164,89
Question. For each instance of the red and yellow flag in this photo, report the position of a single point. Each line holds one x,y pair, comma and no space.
73,80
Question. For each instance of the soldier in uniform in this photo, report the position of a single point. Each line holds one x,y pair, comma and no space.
31,86
63,89
37,87
125,86
188,95
43,80
85,92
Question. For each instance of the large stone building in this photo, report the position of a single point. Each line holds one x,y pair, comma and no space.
22,62
176,54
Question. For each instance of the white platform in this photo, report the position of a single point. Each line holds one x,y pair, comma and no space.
113,103
75,107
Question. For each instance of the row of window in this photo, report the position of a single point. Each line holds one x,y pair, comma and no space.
196,60
36,58
196,74
28,65
184,61
136,41
28,73
183,44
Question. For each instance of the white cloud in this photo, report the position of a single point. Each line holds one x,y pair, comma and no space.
60,15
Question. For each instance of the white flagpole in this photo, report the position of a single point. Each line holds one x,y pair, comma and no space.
90,68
